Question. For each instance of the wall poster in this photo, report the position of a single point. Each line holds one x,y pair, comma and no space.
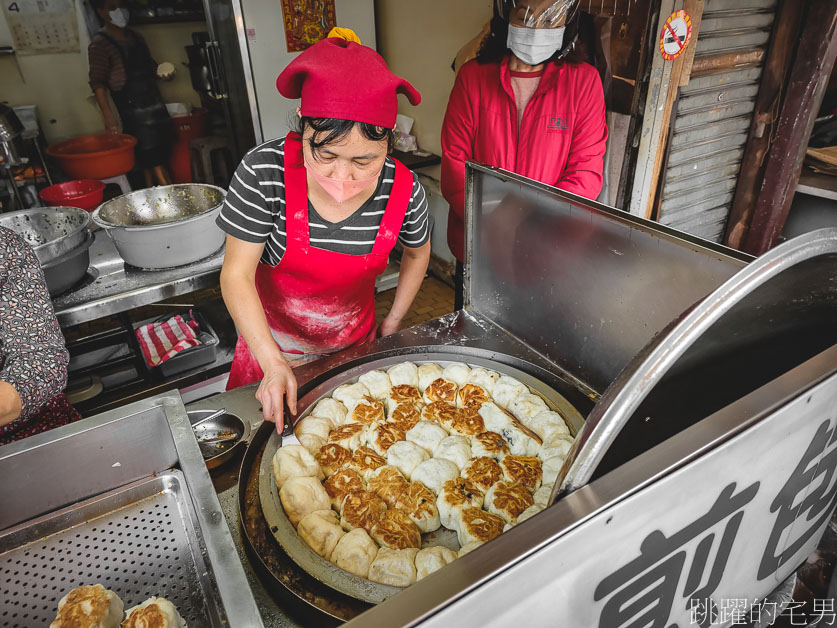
307,22
42,26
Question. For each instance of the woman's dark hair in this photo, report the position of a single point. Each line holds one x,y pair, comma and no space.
494,47
96,4
330,130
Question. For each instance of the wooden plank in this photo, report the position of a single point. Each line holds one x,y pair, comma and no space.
774,77
689,55
725,61
815,55
693,8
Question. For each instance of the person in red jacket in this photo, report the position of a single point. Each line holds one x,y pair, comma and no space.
524,105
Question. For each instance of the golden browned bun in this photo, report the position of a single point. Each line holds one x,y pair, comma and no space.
396,530
349,435
441,413
484,472
366,460
477,525
155,612
388,484
92,605
468,422
508,500
382,437
342,483
440,390
361,510
332,457
419,503
524,470
368,411
489,444
405,416
403,394
472,395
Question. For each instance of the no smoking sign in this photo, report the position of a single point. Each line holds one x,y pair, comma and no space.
676,35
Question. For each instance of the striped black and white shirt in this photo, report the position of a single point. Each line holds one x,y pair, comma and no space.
254,210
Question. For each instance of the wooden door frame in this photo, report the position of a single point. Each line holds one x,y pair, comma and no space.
800,60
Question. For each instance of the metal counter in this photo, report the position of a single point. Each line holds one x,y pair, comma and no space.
113,287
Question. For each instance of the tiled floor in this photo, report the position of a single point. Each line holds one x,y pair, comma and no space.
434,299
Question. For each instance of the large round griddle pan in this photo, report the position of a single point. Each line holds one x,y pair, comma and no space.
286,535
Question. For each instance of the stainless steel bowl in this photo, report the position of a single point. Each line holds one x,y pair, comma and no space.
216,454
159,205
166,226
51,231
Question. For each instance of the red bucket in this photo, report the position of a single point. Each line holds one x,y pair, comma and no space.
84,194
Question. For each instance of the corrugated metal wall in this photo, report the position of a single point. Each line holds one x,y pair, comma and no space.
714,112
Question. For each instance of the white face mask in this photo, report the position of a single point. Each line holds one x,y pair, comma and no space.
534,45
119,17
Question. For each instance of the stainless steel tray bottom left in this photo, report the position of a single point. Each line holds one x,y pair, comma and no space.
139,540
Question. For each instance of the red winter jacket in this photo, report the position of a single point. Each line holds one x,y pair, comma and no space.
561,140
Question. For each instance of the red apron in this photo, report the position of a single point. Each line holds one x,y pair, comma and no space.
318,301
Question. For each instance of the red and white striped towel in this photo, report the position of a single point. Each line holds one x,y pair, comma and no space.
163,340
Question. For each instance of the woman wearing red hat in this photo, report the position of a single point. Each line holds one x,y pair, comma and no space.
312,217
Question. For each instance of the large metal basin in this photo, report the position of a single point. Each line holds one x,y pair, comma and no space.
166,226
51,232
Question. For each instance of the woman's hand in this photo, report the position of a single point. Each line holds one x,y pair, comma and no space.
111,125
278,384
389,325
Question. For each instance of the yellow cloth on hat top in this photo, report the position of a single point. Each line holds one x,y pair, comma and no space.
344,33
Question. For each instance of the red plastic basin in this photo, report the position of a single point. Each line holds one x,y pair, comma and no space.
84,194
95,156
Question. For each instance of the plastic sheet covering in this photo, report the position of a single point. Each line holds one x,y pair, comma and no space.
538,13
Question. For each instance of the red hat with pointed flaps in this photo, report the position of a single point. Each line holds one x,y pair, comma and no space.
341,79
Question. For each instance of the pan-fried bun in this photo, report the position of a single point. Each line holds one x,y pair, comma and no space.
457,372
155,612
331,409
301,495
343,482
524,470
294,461
377,382
321,531
388,484
490,445
508,500
427,373
333,457
349,435
405,416
394,567
367,411
484,472
478,525
366,460
404,374
93,606
440,389
383,436
406,456
472,395
455,496
396,530
361,510
355,552
433,559
420,505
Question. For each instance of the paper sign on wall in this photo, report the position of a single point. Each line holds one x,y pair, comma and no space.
676,35
307,22
42,26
